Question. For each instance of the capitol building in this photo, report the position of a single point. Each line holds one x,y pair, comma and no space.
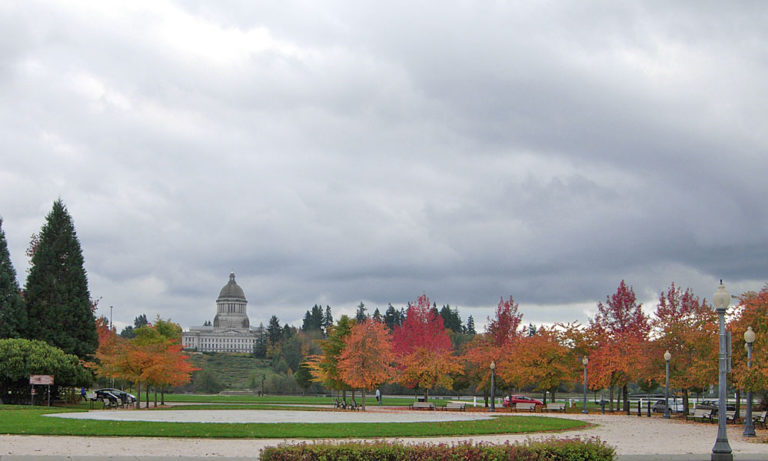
231,330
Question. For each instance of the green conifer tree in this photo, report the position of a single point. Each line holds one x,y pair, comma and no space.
13,313
58,303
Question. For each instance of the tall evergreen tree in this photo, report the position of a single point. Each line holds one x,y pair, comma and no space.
58,303
274,330
471,326
361,315
13,313
327,319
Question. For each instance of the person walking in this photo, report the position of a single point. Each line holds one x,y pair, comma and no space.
378,396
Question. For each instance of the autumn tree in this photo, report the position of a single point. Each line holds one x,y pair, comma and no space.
367,358
325,366
621,329
752,311
494,345
58,302
541,361
13,312
687,328
423,349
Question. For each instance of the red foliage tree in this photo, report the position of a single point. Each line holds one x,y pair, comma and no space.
424,348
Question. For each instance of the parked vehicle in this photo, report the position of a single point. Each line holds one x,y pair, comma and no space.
659,406
124,397
513,399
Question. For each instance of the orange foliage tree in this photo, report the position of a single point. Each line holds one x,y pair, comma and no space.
367,358
687,328
153,357
620,329
752,311
541,361
494,345
424,349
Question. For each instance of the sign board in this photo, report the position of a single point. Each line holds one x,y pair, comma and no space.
41,379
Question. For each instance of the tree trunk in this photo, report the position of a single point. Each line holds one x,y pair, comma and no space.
738,403
138,394
626,398
162,396
363,391
147,394
155,396
553,397
426,394
545,398
686,405
610,399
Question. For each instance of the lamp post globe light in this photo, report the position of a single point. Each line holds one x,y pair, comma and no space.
585,361
721,451
667,357
749,427
493,387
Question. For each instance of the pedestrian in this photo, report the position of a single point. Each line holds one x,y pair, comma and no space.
82,393
378,395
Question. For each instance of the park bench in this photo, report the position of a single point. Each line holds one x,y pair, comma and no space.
525,406
555,406
455,406
730,416
760,419
702,413
422,406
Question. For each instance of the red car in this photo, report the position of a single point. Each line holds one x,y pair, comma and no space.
520,399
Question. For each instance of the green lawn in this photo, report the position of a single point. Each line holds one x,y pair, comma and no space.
27,420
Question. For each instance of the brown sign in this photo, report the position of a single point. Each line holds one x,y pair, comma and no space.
41,379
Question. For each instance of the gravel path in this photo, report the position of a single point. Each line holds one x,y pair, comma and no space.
631,435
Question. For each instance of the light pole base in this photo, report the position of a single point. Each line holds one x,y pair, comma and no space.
722,451
749,432
722,456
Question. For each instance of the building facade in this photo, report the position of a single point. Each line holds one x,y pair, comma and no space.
231,330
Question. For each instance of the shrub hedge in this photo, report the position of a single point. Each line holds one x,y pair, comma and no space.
569,449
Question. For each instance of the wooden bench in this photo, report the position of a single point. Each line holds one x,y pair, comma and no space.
422,406
702,413
525,407
730,416
455,406
555,406
760,419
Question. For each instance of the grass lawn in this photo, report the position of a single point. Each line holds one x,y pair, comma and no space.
30,421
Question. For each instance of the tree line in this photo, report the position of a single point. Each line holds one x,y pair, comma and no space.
623,345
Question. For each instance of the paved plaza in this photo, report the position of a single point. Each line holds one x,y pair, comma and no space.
636,438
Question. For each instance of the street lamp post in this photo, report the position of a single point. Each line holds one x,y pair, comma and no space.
493,387
585,361
721,451
667,356
749,427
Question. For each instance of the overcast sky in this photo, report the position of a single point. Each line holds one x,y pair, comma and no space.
338,152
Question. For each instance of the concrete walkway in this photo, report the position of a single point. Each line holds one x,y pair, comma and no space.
636,439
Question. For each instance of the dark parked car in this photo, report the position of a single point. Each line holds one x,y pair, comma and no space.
713,405
121,397
513,399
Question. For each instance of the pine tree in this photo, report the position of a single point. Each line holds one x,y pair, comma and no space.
58,303
274,330
327,319
471,326
13,313
360,316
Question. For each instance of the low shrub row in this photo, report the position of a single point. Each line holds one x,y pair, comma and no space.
569,449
